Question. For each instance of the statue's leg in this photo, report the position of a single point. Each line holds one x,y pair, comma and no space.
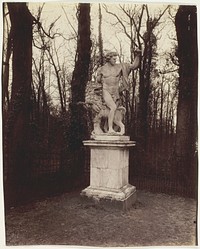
118,121
112,106
105,126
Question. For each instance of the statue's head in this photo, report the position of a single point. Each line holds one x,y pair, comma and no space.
109,55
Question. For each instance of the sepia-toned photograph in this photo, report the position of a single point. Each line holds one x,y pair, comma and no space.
99,124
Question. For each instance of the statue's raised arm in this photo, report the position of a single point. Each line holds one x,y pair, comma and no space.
128,67
137,58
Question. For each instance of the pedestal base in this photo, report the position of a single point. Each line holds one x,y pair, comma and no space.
122,198
109,168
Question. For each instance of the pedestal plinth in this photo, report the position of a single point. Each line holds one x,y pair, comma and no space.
109,170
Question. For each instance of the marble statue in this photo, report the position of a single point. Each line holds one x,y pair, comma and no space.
108,76
111,79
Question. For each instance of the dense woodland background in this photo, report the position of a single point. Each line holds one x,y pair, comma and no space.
43,127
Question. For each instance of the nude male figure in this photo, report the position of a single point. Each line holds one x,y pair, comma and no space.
109,75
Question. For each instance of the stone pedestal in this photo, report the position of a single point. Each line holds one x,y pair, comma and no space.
109,170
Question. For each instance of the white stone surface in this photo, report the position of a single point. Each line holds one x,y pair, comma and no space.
120,194
106,137
109,143
109,170
125,174
95,177
111,178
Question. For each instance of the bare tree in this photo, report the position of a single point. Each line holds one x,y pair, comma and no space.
80,74
18,133
186,28
100,37
7,48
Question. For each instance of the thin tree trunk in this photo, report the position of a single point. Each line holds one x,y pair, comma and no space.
5,92
100,37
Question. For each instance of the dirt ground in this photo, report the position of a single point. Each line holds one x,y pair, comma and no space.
154,220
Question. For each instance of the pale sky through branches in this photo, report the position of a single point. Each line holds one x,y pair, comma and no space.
51,11
113,35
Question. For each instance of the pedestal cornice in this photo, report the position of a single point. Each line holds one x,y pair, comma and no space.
110,141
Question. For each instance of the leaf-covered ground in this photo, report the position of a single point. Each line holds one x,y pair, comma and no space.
155,220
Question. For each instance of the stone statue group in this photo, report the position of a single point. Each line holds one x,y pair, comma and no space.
107,103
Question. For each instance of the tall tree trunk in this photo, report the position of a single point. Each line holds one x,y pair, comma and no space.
80,74
186,28
19,111
78,124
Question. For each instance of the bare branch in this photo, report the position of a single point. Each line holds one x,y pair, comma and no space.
119,20
69,22
168,71
137,28
147,11
156,20
40,11
49,31
37,21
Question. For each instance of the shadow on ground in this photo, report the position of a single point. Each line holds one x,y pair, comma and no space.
155,220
